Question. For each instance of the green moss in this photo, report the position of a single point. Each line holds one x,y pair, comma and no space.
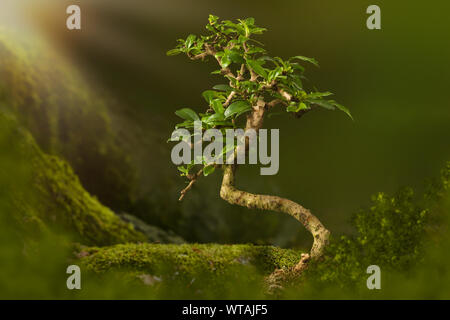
395,233
52,194
64,202
187,271
188,259
67,118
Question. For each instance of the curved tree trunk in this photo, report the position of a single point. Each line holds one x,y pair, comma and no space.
229,193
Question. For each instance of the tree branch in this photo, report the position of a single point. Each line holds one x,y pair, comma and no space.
198,56
193,179
274,103
209,51
240,76
285,95
229,193
230,97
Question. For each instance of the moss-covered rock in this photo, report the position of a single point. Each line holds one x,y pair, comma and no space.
190,270
64,202
188,259
50,194
67,117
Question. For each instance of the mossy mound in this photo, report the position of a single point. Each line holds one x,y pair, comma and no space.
188,259
51,195
67,117
190,270
64,202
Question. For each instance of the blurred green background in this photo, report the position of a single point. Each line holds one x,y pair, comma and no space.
394,81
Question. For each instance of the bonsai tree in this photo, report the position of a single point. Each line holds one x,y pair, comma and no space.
256,84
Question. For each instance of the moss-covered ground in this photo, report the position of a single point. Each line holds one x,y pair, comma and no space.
187,259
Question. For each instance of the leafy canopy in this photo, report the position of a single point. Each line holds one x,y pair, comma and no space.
251,75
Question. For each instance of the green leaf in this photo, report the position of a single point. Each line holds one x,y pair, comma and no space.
237,107
235,56
296,107
173,52
292,107
216,120
234,27
256,66
342,108
249,21
296,66
223,87
213,19
242,112
273,74
246,29
190,40
217,106
225,61
185,124
296,81
302,58
302,106
314,95
187,114
183,170
331,105
267,58
283,63
322,103
253,50
209,95
208,170
256,41
258,30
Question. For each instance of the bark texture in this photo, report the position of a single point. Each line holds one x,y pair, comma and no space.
231,194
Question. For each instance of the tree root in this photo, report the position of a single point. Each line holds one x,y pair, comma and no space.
275,282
